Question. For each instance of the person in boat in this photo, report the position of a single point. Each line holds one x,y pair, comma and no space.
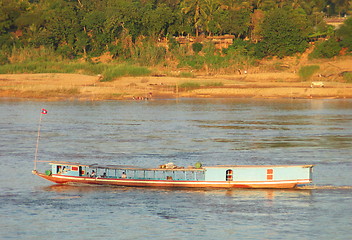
93,174
104,175
123,175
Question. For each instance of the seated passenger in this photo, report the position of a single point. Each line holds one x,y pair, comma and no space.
93,174
123,175
104,175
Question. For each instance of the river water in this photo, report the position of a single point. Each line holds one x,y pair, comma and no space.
147,134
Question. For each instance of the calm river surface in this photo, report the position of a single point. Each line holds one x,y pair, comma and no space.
183,132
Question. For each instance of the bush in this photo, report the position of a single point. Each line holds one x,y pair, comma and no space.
148,54
307,72
30,54
240,47
189,86
326,49
216,61
187,75
113,72
53,67
173,44
347,76
109,71
195,62
3,59
197,47
214,84
66,52
259,50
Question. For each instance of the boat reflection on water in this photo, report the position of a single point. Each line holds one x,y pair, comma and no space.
76,188
269,193
243,194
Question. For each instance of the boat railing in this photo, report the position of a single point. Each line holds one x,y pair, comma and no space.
153,175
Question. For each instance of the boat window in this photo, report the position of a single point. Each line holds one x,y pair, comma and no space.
269,174
229,175
62,169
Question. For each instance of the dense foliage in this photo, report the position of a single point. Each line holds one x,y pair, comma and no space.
344,34
326,49
285,32
129,29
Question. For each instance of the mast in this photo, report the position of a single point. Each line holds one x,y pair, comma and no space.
43,111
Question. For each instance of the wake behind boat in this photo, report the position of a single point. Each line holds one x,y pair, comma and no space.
169,175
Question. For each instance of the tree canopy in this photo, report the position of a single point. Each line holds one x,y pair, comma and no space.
284,32
76,28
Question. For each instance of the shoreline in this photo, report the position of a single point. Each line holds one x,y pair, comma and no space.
77,87
262,81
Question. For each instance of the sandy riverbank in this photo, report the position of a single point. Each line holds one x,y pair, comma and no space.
255,84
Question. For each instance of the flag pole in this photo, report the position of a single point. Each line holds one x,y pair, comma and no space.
38,137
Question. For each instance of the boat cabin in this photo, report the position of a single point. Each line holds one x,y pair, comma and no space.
68,169
257,173
227,173
127,172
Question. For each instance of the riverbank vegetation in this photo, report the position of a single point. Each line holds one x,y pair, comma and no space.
106,71
129,38
306,72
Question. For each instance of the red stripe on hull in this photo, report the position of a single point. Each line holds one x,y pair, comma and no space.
61,179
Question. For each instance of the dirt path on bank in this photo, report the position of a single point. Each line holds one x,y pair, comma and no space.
257,83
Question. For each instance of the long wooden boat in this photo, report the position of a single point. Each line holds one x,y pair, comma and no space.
222,176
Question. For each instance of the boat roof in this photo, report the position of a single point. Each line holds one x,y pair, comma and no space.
258,166
129,167
123,167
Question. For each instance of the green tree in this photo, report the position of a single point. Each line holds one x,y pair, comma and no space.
61,24
181,24
94,23
193,9
208,15
128,15
10,11
344,34
156,20
340,7
284,32
235,21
